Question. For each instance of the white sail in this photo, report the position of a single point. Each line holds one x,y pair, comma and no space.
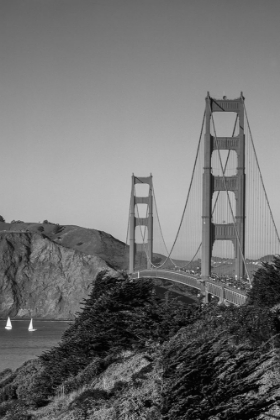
9,324
30,328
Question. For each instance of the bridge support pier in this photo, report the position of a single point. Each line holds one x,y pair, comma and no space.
234,231
208,293
140,221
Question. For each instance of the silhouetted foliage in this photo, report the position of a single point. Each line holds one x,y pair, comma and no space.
5,407
85,376
5,373
33,385
266,284
119,314
18,411
8,392
208,367
213,357
88,399
2,219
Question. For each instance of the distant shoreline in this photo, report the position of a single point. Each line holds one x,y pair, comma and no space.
38,320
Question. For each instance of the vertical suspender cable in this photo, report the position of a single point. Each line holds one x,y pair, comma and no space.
251,137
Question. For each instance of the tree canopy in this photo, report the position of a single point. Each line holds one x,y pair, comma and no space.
119,314
266,284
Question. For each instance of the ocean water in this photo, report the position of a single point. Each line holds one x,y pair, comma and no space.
19,345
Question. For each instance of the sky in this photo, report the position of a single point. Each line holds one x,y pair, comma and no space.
92,91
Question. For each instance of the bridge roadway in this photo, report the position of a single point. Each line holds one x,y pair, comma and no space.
224,292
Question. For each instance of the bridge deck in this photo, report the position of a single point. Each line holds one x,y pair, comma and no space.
216,288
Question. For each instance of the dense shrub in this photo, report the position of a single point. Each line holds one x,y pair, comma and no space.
8,392
18,411
87,398
29,376
84,377
119,314
5,374
5,407
208,367
266,284
7,379
24,383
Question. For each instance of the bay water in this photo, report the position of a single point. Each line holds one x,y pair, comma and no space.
19,345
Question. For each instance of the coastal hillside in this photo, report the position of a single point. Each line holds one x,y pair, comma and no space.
42,278
46,268
132,356
89,241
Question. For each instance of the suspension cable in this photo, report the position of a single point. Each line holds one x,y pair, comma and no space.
127,233
160,228
187,199
186,203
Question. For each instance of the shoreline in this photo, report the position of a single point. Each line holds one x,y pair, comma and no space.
38,320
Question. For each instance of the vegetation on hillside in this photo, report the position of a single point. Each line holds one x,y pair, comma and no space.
216,368
119,315
266,287
130,355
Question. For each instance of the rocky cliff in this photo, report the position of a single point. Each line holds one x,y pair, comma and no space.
41,277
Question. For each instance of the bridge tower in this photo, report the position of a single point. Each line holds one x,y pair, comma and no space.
235,231
140,221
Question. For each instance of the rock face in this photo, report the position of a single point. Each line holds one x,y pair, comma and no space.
41,278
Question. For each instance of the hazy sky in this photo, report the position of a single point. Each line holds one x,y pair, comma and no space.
94,90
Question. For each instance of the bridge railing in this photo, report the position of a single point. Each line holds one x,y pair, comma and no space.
171,276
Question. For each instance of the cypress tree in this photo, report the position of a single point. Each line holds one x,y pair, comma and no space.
266,285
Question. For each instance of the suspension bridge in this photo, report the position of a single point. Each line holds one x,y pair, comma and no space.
227,226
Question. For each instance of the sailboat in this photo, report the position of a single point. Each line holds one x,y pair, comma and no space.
30,328
9,324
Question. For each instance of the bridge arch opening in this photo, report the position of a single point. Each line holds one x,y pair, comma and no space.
141,210
223,207
141,235
223,259
141,190
141,247
224,162
224,123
